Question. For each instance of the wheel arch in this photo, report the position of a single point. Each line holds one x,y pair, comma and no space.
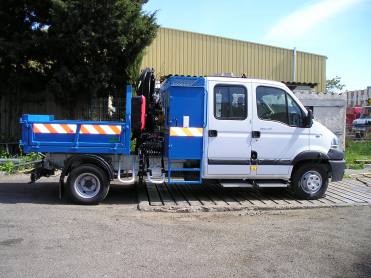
97,160
313,157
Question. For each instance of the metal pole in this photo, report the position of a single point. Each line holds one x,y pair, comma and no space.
294,66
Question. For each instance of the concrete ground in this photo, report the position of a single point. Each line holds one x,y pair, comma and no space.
41,236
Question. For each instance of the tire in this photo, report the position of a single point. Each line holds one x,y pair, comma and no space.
309,181
87,184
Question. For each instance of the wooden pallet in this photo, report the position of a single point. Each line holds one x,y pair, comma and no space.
189,198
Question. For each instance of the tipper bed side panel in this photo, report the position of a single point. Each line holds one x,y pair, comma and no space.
41,133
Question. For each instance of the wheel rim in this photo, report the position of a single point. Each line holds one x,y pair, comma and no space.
87,185
311,182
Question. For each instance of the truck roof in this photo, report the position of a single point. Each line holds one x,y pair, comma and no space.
244,80
200,79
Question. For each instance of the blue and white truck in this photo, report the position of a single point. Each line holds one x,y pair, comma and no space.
237,132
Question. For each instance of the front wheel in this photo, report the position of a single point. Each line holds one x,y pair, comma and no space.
310,181
87,185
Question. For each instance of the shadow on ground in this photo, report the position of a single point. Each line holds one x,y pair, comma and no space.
45,192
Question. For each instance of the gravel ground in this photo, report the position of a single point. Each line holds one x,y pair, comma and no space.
41,236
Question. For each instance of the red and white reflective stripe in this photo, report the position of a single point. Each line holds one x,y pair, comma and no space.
54,128
186,131
100,129
71,129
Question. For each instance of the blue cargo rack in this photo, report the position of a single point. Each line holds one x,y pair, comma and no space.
41,133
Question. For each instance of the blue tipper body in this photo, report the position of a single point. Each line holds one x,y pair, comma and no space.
76,141
184,99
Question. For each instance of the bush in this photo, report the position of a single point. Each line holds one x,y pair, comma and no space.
10,167
7,167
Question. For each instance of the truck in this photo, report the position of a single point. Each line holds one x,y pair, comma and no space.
230,131
352,113
362,125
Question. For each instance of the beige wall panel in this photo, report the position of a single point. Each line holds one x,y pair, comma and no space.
181,52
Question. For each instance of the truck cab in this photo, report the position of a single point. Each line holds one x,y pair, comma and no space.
255,133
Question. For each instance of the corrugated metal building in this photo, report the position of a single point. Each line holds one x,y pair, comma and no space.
187,53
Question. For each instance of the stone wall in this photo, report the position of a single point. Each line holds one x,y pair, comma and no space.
328,109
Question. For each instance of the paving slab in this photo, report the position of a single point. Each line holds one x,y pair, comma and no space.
205,197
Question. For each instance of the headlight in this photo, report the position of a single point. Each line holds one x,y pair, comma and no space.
335,143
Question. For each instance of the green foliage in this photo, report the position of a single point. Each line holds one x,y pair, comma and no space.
22,53
73,49
31,157
334,85
10,167
132,145
4,154
7,167
355,166
357,151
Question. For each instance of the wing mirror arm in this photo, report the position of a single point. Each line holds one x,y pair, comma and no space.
309,119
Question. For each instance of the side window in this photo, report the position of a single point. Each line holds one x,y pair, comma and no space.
271,104
230,102
276,105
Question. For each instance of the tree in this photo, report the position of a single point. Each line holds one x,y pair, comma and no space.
73,49
334,85
22,51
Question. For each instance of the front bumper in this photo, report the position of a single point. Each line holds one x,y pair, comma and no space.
358,129
337,169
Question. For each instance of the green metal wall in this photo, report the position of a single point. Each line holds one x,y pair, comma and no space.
187,53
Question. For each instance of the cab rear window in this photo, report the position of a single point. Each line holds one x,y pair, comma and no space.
230,102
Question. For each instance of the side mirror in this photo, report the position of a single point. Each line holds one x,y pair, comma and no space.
308,121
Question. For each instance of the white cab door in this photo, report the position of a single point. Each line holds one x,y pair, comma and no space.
278,126
229,129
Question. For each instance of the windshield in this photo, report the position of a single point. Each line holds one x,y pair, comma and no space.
366,112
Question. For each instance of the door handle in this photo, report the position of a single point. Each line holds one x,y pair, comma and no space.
213,133
255,134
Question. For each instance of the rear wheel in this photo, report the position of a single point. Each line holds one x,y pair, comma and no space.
310,181
87,184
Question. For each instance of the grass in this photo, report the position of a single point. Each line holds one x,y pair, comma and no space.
10,167
357,151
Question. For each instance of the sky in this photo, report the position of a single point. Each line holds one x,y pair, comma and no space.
338,29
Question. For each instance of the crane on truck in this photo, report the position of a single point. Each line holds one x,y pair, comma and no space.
236,132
